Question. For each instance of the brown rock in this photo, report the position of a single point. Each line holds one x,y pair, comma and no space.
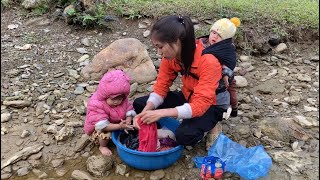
128,54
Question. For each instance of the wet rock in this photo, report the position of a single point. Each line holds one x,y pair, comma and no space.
61,172
17,104
122,169
82,143
64,133
128,53
35,156
81,175
57,162
138,175
99,165
5,117
157,175
40,174
23,154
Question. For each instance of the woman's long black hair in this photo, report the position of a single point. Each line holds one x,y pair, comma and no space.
171,28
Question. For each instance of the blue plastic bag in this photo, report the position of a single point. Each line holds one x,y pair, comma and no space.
250,163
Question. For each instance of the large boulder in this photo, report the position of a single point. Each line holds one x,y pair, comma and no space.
128,54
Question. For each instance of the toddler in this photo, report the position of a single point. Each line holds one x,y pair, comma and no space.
109,109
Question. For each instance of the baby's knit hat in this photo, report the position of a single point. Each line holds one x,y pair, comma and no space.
226,28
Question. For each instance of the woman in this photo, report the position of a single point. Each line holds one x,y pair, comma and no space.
196,104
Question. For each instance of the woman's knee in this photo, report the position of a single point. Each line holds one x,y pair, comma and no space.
140,103
188,137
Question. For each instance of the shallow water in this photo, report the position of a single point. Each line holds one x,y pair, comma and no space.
176,171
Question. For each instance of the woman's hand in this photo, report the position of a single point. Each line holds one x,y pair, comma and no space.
135,122
151,116
147,117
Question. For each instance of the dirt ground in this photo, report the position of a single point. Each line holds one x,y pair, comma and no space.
42,71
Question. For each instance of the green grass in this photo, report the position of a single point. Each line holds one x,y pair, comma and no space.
303,13
5,3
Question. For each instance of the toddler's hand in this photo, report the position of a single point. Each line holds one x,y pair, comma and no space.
226,81
124,126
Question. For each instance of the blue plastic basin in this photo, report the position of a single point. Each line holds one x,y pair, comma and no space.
150,160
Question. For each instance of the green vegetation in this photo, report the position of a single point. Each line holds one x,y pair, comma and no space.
40,9
5,3
285,12
89,18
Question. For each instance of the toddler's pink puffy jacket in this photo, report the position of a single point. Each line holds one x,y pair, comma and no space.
113,83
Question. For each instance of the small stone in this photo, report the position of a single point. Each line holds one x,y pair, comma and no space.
124,33
81,175
82,50
57,162
303,77
241,81
85,41
79,90
142,26
146,33
46,142
5,117
244,58
13,26
59,121
23,171
61,172
6,175
157,175
121,169
83,58
281,47
19,142
25,133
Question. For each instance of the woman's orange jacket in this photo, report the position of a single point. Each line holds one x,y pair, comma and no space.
206,67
